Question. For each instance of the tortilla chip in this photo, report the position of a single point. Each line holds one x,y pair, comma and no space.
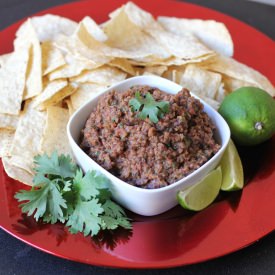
48,27
92,28
105,75
12,81
88,46
213,34
69,105
3,59
185,46
6,137
172,61
74,66
8,121
138,16
139,24
55,135
200,81
131,39
52,58
212,102
236,70
174,73
151,70
17,173
222,93
90,40
154,70
27,138
87,42
232,84
50,90
84,93
59,96
34,69
54,93
123,65
34,73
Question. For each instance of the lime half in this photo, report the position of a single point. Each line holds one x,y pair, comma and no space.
232,169
203,193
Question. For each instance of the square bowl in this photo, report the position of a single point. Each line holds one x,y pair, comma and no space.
147,202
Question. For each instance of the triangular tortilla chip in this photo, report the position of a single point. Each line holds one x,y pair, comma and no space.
200,81
55,135
213,34
236,70
8,121
86,92
12,81
17,173
52,58
34,70
27,139
6,138
105,75
48,27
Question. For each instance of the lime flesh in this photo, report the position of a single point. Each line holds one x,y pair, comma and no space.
202,194
232,169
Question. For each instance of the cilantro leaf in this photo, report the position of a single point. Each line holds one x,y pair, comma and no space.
55,165
112,209
148,107
100,181
109,223
55,205
85,217
62,193
114,216
67,186
46,202
84,185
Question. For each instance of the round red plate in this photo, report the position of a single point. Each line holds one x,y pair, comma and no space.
177,237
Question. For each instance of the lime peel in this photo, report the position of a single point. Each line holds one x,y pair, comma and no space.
202,194
232,169
250,114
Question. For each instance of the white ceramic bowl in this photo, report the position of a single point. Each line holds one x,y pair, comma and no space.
146,202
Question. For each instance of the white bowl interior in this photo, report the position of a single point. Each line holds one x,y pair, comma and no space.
145,201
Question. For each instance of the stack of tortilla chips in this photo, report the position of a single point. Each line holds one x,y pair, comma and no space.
57,65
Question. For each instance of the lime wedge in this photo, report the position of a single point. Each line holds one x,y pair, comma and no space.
232,169
203,193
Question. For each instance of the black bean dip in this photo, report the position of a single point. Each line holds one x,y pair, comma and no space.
146,154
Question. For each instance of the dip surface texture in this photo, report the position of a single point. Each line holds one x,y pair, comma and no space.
146,154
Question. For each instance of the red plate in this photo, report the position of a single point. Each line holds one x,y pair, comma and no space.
176,237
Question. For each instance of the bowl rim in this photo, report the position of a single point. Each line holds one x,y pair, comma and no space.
124,183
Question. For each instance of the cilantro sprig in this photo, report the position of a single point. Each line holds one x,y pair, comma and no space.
61,193
148,107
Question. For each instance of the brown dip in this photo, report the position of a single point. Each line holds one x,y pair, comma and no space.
147,154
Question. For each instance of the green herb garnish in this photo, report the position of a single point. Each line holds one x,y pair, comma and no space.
148,107
62,193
